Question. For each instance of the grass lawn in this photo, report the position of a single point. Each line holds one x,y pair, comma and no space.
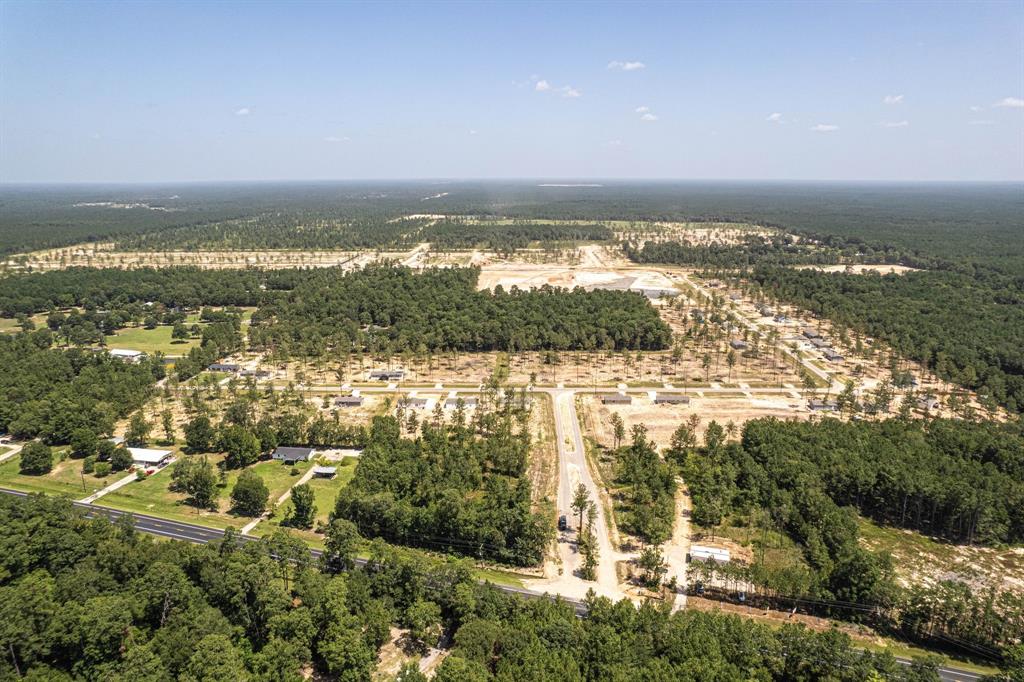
9,325
66,479
153,497
150,340
325,492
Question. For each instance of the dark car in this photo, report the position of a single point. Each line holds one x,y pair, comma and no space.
563,523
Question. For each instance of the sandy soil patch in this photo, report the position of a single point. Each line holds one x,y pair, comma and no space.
859,269
662,420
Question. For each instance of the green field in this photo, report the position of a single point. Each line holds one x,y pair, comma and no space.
325,491
157,340
153,497
66,479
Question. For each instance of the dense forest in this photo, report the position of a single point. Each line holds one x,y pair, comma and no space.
947,478
449,489
112,288
754,249
506,237
50,393
441,309
937,225
968,328
90,600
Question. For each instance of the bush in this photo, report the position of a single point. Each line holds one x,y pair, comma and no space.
36,459
88,464
102,469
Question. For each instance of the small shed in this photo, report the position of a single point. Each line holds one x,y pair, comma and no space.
146,458
616,399
671,399
349,401
324,472
291,455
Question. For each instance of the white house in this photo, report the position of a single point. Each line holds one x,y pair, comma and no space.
126,355
145,458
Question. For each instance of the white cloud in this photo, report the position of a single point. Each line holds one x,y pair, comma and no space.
975,108
472,132
893,99
825,128
774,117
244,111
613,143
894,124
626,66
981,122
648,117
1010,102
642,110
336,138
543,85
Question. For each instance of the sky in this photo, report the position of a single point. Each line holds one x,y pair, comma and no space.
189,91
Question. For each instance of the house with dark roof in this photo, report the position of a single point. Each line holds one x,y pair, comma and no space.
819,405
291,455
616,399
224,367
349,401
388,374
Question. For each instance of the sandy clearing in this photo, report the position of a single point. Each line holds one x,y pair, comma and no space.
859,269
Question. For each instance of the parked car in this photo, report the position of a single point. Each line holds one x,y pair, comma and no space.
563,523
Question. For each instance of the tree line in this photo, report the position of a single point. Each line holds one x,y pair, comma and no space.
441,309
947,478
968,329
49,393
448,489
88,599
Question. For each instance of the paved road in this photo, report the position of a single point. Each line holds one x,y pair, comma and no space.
573,470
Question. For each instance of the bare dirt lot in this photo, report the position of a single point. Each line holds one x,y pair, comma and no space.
662,420
103,255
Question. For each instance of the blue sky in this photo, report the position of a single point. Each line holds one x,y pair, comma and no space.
113,92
